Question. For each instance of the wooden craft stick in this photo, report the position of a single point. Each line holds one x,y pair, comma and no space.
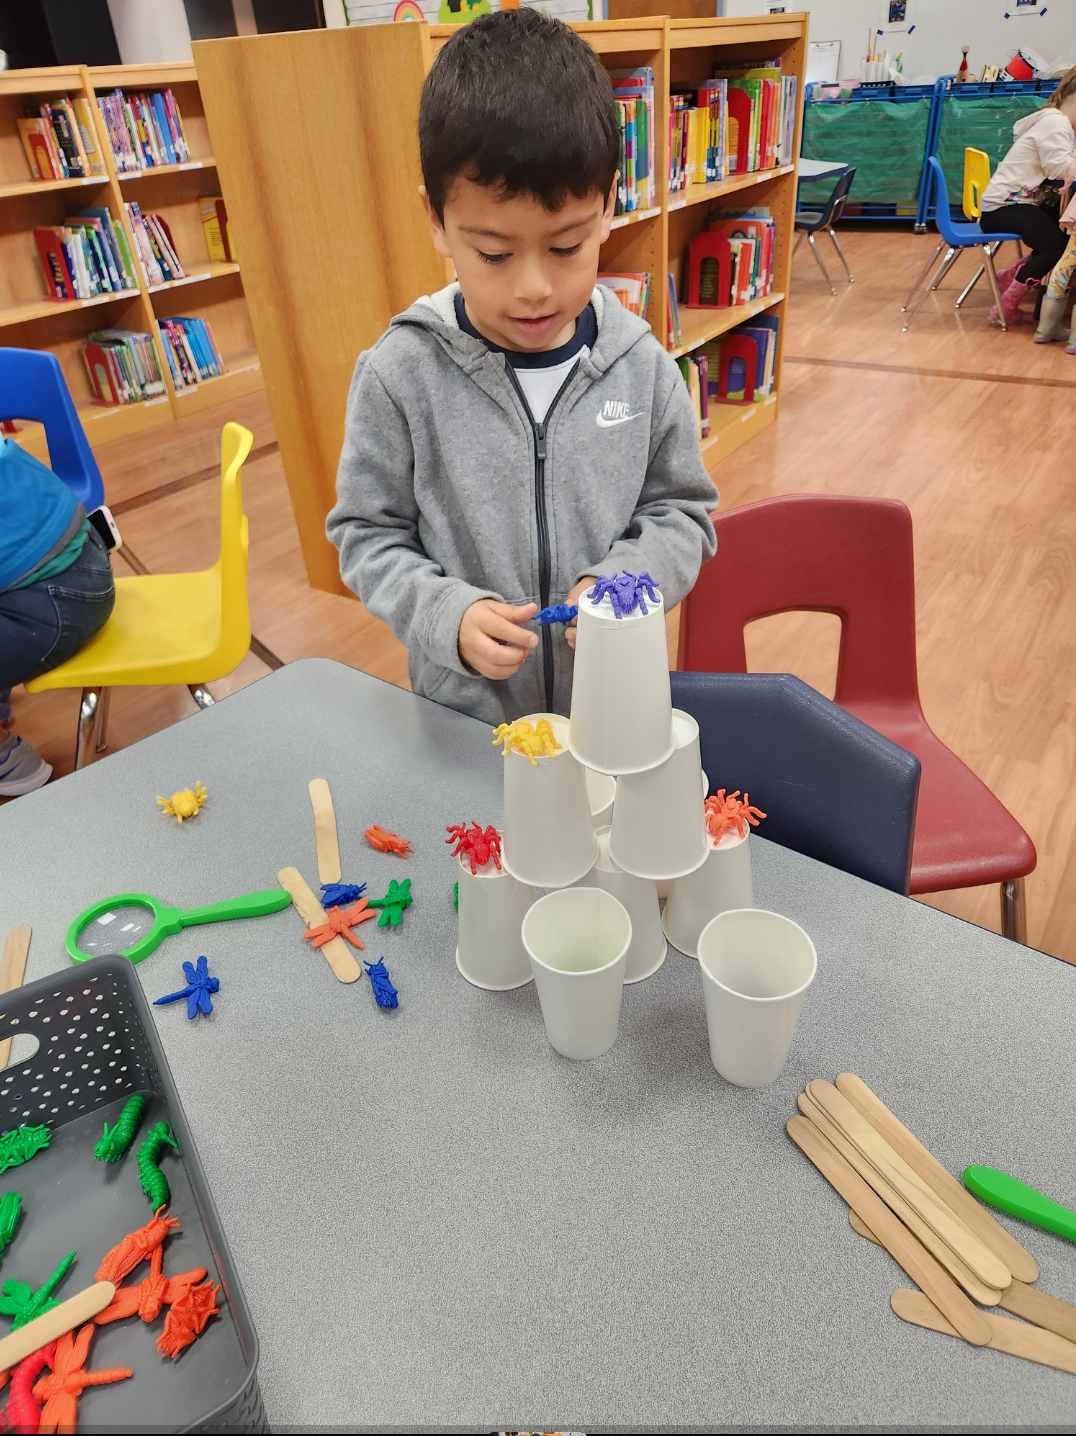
12,972
335,951
1013,1337
83,1306
898,1241
940,1250
321,800
975,1217
856,1222
922,1198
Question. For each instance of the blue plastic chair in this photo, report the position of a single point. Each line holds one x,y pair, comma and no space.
32,387
958,237
832,788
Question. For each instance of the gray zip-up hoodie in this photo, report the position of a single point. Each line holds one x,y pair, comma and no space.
448,492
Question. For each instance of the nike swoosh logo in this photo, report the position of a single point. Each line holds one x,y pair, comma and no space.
604,423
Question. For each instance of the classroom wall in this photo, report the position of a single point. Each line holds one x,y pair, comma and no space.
150,32
941,28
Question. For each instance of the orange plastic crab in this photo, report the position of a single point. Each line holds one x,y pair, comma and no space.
534,741
385,842
339,922
187,803
732,812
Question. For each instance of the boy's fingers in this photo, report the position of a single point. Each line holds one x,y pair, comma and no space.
507,630
495,660
514,613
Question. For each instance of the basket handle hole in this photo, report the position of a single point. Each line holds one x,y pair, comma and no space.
21,1048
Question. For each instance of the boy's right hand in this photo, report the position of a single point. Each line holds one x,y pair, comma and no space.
491,640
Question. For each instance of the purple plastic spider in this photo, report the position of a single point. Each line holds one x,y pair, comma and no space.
627,592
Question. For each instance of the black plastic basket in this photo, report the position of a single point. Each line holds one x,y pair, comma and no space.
97,1046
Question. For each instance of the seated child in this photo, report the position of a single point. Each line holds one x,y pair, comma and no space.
518,432
1051,316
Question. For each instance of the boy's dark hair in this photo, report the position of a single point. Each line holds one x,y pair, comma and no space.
518,101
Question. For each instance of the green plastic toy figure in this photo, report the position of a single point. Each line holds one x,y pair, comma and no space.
20,1145
25,1304
393,903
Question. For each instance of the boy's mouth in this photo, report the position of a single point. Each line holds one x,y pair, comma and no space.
535,326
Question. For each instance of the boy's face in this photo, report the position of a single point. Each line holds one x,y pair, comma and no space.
526,272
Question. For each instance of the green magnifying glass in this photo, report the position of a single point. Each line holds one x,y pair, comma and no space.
135,924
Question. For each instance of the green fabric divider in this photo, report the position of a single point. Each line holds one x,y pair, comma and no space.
983,124
882,140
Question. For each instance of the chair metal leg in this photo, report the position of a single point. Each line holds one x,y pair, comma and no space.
201,695
995,286
922,295
970,285
840,254
1014,910
795,250
88,714
950,259
822,267
102,720
918,282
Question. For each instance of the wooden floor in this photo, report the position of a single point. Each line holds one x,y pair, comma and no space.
969,426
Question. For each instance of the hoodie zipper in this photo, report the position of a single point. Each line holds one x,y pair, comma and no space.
545,559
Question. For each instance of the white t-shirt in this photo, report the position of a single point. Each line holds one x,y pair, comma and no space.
540,375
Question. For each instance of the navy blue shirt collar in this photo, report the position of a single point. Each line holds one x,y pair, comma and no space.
586,334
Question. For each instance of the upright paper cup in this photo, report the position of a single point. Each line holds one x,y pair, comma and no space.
601,790
756,969
492,906
621,699
640,898
548,834
578,941
659,825
723,882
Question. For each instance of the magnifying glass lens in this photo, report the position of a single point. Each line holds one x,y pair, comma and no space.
116,930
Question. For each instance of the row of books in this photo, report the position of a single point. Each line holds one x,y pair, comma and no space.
85,256
60,141
123,366
761,117
634,91
144,129
695,369
632,289
741,363
154,246
673,334
752,242
698,124
191,351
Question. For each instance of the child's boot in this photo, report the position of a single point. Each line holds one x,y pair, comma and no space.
1011,300
1006,276
1051,316
1070,347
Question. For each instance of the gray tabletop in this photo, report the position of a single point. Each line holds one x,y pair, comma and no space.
439,1222
819,169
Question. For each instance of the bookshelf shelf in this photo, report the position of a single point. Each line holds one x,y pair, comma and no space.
51,308
12,191
243,376
154,171
697,326
215,269
635,216
717,189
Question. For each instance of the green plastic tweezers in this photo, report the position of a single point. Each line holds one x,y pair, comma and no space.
1019,1200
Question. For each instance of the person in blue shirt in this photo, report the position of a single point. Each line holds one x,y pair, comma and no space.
56,591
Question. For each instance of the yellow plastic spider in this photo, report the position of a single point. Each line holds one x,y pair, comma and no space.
534,742
184,804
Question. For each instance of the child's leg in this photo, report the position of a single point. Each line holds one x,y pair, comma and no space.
1052,314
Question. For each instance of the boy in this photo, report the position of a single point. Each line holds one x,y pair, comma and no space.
518,432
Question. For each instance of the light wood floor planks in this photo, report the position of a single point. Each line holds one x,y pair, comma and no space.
969,426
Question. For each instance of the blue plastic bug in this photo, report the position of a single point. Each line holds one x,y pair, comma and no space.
341,894
384,992
626,591
559,613
199,986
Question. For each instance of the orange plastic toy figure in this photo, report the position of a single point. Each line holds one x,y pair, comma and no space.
61,1389
385,842
732,812
339,922
147,1298
187,1318
135,1247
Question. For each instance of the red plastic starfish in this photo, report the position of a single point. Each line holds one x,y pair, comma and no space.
155,1291
60,1390
187,1318
339,922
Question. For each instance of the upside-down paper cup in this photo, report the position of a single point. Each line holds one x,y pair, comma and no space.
492,906
723,882
659,824
621,699
548,833
639,896
756,969
601,790
578,940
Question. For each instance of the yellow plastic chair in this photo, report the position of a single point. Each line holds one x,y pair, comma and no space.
976,179
169,627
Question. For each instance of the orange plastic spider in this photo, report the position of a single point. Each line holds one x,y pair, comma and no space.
339,922
385,842
732,812
61,1389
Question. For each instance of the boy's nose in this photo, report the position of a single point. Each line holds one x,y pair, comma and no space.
532,284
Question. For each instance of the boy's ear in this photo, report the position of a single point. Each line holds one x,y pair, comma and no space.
437,229
610,209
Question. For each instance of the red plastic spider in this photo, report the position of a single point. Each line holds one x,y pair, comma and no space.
478,844
732,812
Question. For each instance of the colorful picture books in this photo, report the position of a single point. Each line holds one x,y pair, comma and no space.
673,334
698,123
155,248
191,351
761,116
59,141
752,241
632,289
634,91
695,369
742,362
86,256
123,366
144,129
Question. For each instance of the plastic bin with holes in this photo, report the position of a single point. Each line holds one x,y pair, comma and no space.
96,1046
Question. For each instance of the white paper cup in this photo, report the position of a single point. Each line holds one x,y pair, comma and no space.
601,790
492,906
756,969
578,941
621,698
659,824
640,897
722,882
548,833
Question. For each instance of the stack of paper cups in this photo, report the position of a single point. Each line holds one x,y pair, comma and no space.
659,828
601,790
548,833
577,940
639,897
492,906
721,884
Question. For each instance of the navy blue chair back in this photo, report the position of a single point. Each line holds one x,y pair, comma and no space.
32,386
832,788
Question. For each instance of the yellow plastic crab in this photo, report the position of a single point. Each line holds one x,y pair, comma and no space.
187,803
534,741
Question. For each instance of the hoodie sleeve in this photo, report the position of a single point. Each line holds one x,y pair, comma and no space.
670,535
375,525
1055,145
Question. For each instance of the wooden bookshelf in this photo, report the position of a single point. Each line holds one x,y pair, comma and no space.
212,290
316,305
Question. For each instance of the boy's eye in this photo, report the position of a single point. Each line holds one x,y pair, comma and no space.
492,258
565,253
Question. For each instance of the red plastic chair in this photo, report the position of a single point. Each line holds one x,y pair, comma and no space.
853,557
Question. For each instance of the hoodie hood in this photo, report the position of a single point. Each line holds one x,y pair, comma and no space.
1030,121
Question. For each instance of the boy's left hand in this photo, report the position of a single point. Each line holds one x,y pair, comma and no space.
572,599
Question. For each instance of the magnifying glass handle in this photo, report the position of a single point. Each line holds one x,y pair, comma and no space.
252,905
